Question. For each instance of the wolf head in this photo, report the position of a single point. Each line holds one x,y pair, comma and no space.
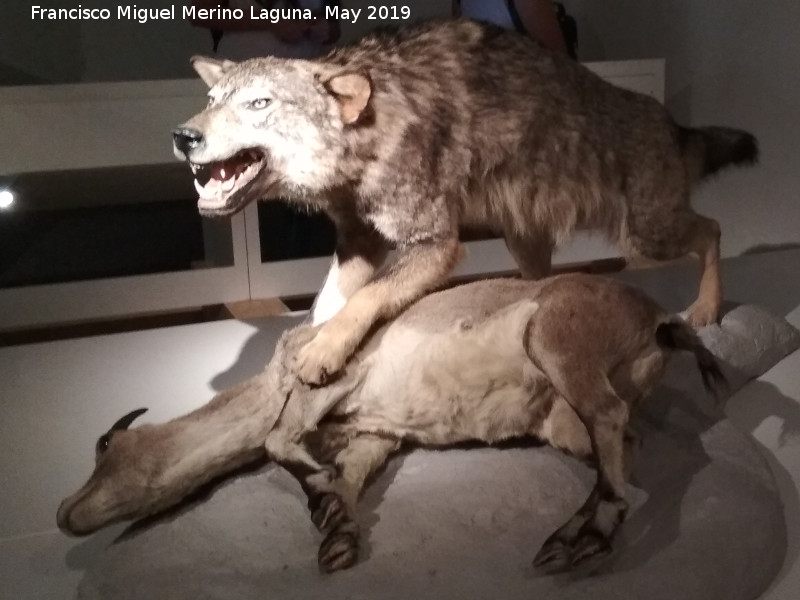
273,127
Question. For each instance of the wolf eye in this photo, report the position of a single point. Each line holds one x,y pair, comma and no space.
259,103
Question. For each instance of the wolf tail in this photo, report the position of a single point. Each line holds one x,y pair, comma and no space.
677,335
707,150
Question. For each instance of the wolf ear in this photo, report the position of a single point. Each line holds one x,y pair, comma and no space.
211,69
352,91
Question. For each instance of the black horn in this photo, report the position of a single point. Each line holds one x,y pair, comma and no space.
126,421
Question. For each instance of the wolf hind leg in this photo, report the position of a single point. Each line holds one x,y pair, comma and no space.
666,235
705,244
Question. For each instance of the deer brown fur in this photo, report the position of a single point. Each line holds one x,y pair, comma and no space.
566,360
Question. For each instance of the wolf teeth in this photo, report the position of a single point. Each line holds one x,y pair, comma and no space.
201,191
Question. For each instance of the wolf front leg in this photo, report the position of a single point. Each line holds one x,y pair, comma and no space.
421,268
360,251
333,491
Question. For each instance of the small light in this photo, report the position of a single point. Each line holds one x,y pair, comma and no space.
6,198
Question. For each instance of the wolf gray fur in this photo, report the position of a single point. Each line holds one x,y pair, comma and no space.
404,137
566,359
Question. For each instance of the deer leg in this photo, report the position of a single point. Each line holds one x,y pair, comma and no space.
589,532
574,372
333,493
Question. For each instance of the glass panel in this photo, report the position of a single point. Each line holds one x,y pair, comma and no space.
99,223
286,233
478,234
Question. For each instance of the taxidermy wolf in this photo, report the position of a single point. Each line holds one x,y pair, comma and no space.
406,136
565,359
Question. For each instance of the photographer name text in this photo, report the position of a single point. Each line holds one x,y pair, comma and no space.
131,12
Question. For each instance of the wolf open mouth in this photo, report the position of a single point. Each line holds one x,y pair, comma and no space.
220,184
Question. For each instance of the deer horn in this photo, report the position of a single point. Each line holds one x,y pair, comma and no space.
126,421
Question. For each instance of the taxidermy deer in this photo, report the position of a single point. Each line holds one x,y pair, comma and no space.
565,359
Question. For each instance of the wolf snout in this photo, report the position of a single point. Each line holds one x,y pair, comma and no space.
186,139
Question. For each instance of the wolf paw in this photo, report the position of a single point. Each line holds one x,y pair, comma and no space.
319,360
702,313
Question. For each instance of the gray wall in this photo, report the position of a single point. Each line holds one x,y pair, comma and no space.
32,51
113,50
729,62
118,50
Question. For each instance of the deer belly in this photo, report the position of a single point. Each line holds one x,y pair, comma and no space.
446,389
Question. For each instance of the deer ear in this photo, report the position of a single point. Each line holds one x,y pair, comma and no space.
211,69
352,91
